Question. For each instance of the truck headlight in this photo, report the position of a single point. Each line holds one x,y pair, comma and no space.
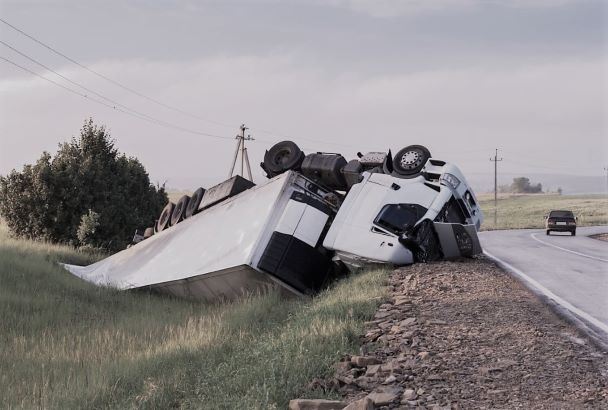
449,180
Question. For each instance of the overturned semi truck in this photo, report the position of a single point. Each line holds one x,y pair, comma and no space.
317,216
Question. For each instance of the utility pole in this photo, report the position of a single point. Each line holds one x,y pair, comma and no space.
240,148
495,160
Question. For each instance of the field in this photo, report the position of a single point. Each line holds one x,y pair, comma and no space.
68,344
527,211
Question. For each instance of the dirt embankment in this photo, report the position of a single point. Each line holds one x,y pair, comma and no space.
601,236
467,335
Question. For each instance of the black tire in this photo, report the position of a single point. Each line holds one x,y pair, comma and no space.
179,212
410,160
282,157
573,233
148,232
165,217
195,201
548,232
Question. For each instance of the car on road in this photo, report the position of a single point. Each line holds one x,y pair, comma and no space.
560,221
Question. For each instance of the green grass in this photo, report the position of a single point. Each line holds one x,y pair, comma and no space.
527,211
67,344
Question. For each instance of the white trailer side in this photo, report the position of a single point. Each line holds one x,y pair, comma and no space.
236,246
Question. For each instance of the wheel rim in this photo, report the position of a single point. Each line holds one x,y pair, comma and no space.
411,159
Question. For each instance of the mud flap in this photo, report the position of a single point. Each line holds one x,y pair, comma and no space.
432,241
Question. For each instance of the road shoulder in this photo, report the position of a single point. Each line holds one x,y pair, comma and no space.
468,335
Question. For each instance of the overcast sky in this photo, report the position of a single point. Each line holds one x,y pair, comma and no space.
459,76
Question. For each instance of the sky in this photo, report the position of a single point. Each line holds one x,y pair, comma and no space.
462,77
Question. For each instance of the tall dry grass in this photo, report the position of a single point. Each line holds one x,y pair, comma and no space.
527,211
67,344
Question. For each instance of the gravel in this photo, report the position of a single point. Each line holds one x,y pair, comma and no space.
601,236
464,335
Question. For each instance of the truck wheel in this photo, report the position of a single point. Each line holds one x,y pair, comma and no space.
548,232
573,233
165,217
410,160
282,157
179,212
195,201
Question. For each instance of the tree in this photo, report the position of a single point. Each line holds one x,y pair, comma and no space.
89,223
88,183
522,185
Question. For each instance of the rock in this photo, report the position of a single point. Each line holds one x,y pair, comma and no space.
435,322
364,404
363,361
382,315
345,379
373,369
385,324
407,322
409,395
390,379
401,300
423,355
505,364
343,367
435,377
315,404
497,391
383,398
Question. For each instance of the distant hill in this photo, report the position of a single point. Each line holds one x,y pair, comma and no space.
570,184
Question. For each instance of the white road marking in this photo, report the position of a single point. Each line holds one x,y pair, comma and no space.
551,295
533,235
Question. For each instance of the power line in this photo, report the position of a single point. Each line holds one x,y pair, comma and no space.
73,82
131,113
141,95
116,83
284,136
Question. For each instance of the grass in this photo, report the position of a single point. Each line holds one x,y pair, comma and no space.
527,211
67,344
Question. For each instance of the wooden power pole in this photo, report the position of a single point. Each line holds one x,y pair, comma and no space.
240,148
495,160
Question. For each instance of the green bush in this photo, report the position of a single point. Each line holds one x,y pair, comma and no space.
51,199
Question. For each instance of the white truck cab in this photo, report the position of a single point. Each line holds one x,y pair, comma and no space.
382,208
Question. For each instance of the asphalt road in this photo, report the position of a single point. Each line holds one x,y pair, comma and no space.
570,270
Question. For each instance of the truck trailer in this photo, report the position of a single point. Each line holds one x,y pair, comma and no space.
316,217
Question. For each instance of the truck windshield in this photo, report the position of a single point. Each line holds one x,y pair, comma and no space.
397,218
